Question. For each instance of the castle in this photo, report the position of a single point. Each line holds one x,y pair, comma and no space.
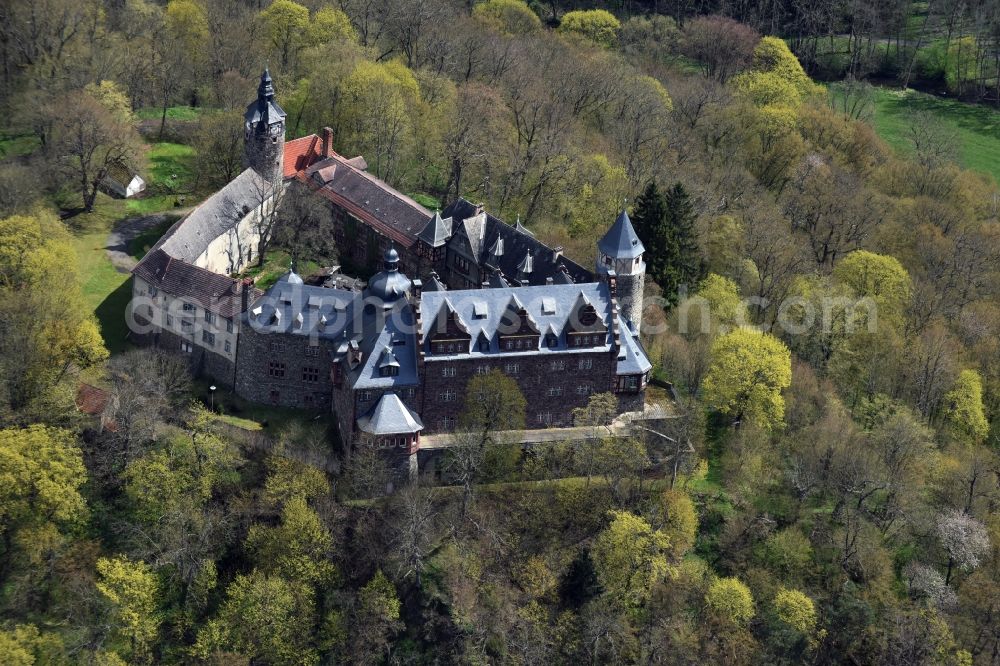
391,361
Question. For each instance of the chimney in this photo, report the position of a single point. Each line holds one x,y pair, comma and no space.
613,283
549,280
327,146
245,286
418,287
556,253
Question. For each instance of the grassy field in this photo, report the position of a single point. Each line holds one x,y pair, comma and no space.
170,179
173,113
977,127
15,145
105,290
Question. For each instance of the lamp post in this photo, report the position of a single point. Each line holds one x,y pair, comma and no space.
211,392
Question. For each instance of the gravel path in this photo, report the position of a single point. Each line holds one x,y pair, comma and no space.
125,232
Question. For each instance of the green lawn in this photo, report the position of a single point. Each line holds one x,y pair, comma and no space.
173,113
978,127
105,290
16,145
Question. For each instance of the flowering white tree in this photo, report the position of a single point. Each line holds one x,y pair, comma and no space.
926,582
964,538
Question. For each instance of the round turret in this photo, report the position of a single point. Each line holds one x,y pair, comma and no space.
389,285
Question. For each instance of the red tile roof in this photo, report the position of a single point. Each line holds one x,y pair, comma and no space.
91,400
301,154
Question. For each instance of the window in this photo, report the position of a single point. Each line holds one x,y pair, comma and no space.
388,371
275,369
484,345
312,351
364,396
229,346
446,396
510,368
544,418
582,389
153,291
410,392
188,307
277,346
446,423
607,260
556,366
208,338
448,372
186,347
461,264
554,391
187,325
310,375
170,321
229,325
551,340
274,395
209,317
307,400
482,369
586,363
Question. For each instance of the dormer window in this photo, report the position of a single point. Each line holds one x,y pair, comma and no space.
551,341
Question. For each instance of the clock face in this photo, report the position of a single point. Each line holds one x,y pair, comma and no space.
276,129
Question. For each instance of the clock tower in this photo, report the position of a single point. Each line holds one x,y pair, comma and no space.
264,127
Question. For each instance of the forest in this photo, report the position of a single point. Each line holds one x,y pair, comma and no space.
836,496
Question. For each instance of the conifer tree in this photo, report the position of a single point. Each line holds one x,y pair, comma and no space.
649,220
682,262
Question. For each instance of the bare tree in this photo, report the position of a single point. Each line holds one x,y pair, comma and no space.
90,140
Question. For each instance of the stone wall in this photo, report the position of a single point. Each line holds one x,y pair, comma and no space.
552,391
286,384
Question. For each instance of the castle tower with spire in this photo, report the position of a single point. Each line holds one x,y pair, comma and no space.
621,252
264,139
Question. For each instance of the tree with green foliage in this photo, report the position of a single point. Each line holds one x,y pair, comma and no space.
684,265
748,372
730,602
298,549
597,25
879,277
680,521
134,592
285,23
964,414
376,620
264,619
629,557
511,17
41,474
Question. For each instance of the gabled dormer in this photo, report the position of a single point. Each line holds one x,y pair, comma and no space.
517,331
585,327
448,334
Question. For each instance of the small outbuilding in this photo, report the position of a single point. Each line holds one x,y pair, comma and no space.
123,181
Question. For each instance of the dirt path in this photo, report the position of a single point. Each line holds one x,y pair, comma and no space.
126,231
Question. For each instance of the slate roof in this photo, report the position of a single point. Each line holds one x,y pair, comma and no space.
338,315
121,173
434,283
264,108
632,359
538,302
190,236
390,416
437,231
621,241
214,292
373,201
484,231
549,307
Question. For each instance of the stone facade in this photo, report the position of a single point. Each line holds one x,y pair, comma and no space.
552,386
286,370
